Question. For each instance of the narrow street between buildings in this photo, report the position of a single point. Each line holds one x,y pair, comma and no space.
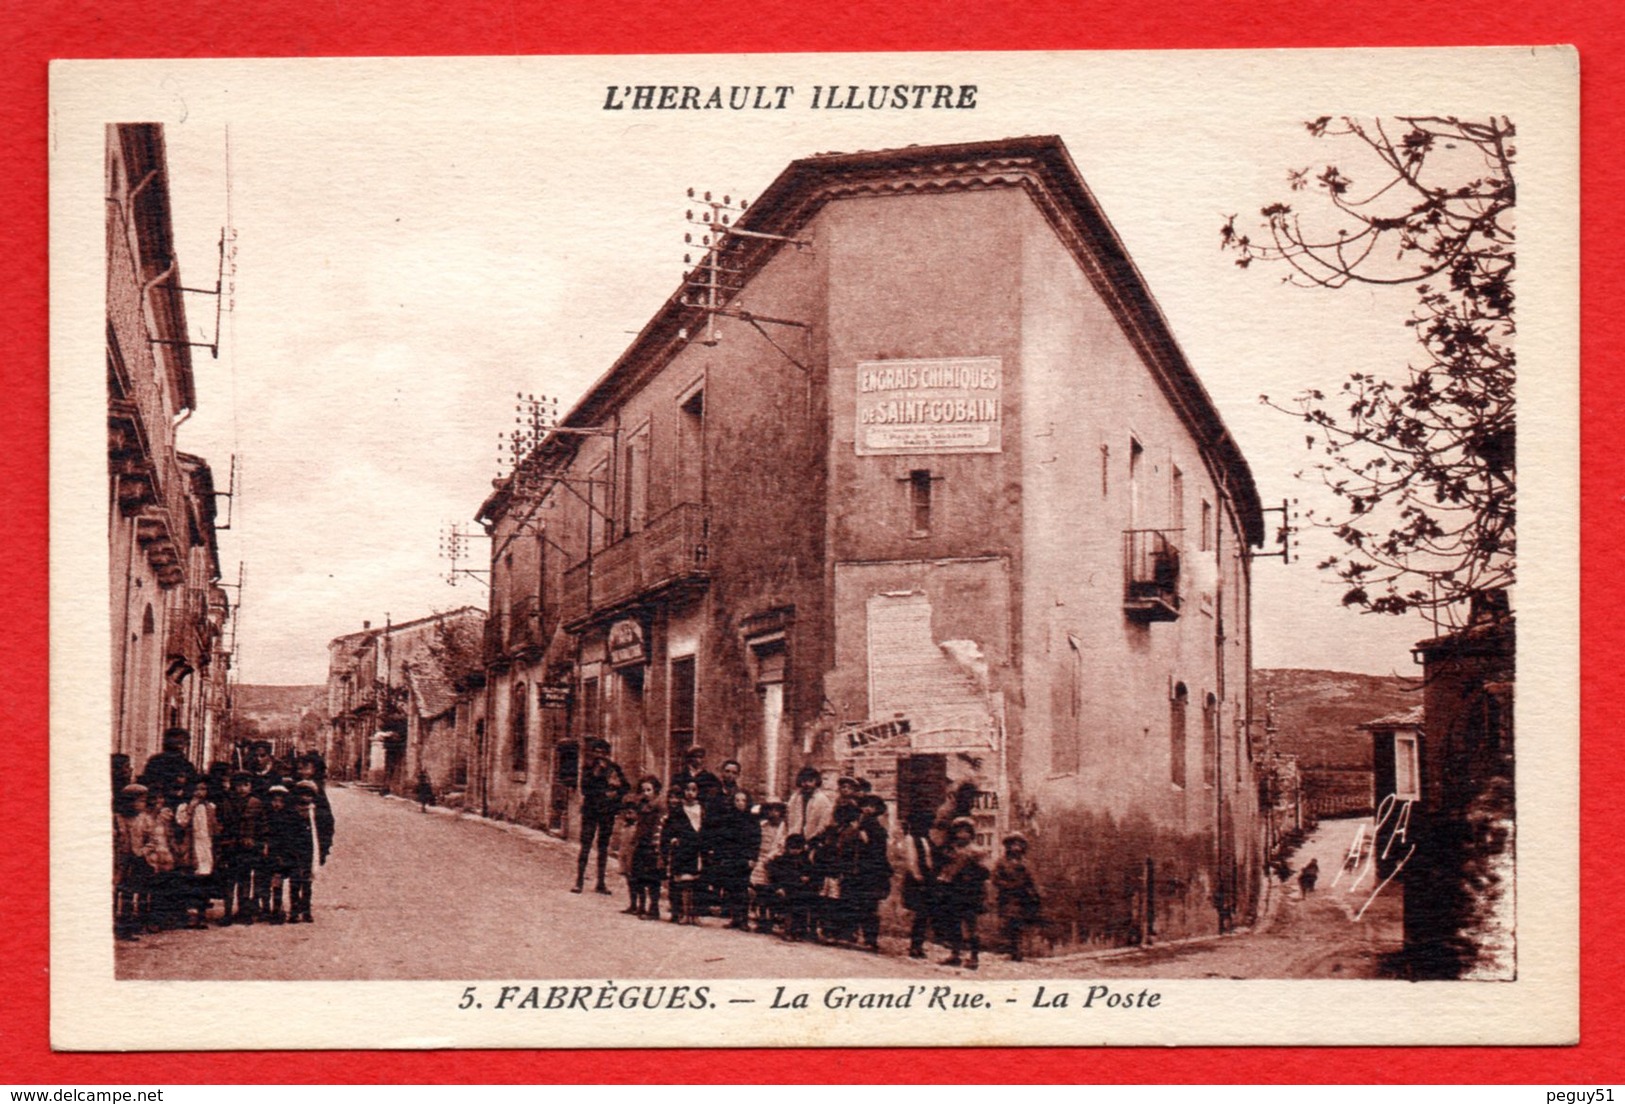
408,895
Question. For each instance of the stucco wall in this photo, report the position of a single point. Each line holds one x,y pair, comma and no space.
1098,783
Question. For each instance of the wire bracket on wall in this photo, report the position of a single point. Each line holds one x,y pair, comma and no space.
1286,534
713,283
221,292
230,495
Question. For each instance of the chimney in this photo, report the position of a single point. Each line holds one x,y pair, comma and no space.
365,625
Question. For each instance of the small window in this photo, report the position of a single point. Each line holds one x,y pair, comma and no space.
1405,788
1207,526
690,456
919,503
1210,741
682,703
589,708
1066,702
1176,500
1105,470
634,496
520,757
1176,734
1136,453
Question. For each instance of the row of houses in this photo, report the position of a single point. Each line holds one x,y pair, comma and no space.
169,613
910,481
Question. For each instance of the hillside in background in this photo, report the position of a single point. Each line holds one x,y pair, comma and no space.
278,699
1318,713
286,715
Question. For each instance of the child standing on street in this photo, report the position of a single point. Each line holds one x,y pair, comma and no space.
868,880
962,885
198,826
796,884
283,827
303,846
625,845
242,838
774,831
1017,893
646,848
132,877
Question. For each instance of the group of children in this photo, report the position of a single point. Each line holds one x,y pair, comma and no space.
713,851
251,838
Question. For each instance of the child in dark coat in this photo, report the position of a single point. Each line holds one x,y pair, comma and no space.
303,848
962,887
283,827
645,869
683,842
832,855
242,839
737,840
867,880
1017,893
795,884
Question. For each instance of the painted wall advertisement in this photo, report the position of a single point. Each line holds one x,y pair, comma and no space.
929,406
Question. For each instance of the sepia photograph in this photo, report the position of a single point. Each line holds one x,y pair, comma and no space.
995,549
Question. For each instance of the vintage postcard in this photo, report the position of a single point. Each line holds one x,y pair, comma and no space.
815,550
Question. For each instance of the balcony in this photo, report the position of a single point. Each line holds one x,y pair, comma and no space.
671,552
525,627
1150,575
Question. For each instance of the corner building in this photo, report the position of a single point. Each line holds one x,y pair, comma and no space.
933,499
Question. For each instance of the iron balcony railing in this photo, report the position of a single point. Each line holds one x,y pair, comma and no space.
671,549
1150,575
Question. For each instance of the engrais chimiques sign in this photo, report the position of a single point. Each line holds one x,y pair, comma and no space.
929,406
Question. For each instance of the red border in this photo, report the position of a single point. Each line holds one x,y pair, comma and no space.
194,28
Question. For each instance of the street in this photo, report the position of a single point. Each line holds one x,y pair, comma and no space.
408,895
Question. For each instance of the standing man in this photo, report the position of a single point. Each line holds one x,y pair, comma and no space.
810,808
694,771
727,787
263,772
170,765
602,788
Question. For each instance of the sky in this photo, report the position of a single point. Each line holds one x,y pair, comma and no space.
413,248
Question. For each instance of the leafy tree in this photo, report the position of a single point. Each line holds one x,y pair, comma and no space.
1424,465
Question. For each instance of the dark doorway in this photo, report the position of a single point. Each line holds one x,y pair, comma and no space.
922,787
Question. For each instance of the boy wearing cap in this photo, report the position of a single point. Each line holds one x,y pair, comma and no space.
301,847
282,827
310,767
796,884
602,788
242,840
810,808
869,878
132,877
962,893
694,771
774,831
1017,893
